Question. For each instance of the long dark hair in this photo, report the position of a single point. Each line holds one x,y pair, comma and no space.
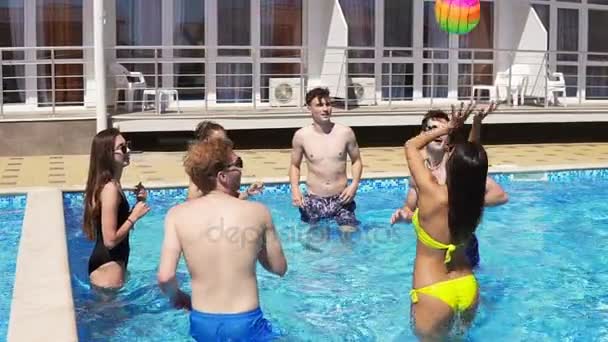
467,170
101,171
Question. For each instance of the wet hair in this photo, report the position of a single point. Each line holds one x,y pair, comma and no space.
101,171
467,170
317,93
205,128
434,114
205,158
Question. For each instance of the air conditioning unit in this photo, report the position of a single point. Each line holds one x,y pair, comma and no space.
285,92
362,91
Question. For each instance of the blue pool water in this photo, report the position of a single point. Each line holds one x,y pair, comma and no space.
12,209
543,269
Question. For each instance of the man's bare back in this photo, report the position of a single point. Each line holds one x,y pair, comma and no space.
221,250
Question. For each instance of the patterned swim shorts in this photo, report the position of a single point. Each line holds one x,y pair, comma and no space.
316,208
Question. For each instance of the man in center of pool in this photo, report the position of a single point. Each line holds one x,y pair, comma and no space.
222,238
326,146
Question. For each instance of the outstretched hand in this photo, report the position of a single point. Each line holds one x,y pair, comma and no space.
482,113
459,117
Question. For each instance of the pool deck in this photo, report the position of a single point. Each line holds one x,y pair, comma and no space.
164,169
42,307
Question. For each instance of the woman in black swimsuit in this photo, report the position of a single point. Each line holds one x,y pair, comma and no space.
107,217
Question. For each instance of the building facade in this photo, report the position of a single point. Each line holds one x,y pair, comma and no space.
260,55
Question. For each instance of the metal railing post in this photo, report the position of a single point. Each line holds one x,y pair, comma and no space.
302,84
157,99
390,82
432,76
256,81
53,98
346,79
509,95
547,68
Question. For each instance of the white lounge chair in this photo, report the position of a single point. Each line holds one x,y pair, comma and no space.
127,81
556,83
502,89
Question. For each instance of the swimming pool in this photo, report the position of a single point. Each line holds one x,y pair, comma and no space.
542,275
12,209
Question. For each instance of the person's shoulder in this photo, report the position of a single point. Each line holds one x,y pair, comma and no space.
344,129
303,131
178,209
110,190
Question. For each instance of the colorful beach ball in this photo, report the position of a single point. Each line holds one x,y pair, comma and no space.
457,16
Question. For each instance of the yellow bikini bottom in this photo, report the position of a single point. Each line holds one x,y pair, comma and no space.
458,293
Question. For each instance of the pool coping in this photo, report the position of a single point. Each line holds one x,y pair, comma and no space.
42,307
42,294
494,169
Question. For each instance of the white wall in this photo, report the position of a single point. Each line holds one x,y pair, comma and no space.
327,28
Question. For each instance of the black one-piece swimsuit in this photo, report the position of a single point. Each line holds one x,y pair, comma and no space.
120,253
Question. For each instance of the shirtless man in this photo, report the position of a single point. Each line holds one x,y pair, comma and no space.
325,145
207,130
436,160
221,249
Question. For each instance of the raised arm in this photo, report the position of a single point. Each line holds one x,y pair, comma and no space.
475,134
169,257
297,153
271,255
425,181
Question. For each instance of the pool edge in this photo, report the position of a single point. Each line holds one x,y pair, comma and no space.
42,306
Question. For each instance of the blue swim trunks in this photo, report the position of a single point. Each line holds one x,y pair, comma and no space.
472,251
316,208
245,326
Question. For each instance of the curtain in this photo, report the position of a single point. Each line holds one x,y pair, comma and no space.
189,30
398,23
234,80
59,23
360,19
11,35
280,25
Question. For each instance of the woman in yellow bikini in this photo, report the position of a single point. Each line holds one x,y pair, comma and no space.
444,286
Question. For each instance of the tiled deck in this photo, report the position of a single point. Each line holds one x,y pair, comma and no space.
160,169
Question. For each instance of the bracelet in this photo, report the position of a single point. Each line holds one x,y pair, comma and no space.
132,223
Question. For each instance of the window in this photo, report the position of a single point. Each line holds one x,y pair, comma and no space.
11,35
398,24
59,23
567,33
280,25
138,24
189,30
234,26
434,76
598,37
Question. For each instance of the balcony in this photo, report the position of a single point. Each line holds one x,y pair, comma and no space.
264,87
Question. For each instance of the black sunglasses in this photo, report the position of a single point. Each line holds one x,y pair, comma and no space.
123,148
428,128
237,163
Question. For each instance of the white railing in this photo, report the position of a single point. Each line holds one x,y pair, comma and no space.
204,79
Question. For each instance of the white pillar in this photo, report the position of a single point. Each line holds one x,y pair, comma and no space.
100,64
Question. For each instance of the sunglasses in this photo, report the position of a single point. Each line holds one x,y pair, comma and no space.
237,163
428,128
123,148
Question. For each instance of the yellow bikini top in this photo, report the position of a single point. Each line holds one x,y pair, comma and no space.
426,239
